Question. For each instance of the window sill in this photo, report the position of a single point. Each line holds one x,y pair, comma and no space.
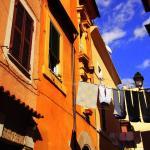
19,66
48,74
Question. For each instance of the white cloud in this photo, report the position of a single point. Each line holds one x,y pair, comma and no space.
146,21
126,12
113,35
117,18
120,15
140,32
145,64
104,3
118,6
127,82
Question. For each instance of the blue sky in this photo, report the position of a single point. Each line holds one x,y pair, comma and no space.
122,27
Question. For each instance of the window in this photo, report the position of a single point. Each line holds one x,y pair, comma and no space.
52,68
54,50
99,72
21,38
99,69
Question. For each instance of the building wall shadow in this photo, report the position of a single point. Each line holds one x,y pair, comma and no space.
146,140
109,126
16,121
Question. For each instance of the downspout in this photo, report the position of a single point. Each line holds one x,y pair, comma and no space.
73,92
73,84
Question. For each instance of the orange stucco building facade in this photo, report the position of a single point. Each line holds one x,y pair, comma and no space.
46,48
18,72
63,124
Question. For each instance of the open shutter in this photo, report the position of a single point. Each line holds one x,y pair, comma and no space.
54,42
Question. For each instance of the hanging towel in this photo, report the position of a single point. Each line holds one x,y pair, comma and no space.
147,93
130,136
108,95
87,95
122,104
145,105
105,95
126,136
102,94
132,106
119,107
136,104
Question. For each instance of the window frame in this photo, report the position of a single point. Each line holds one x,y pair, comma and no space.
56,79
51,53
16,66
19,62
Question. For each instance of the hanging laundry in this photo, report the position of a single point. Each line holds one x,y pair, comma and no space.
114,138
147,93
130,136
133,106
119,104
102,93
126,136
145,105
136,104
108,95
87,95
117,109
122,104
105,95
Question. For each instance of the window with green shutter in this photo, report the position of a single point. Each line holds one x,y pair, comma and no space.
54,48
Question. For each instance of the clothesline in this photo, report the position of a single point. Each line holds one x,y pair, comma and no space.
118,89
89,94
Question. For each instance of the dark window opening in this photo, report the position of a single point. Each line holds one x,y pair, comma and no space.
54,44
21,38
99,69
86,148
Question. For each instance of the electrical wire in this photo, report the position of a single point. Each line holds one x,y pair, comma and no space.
7,67
17,77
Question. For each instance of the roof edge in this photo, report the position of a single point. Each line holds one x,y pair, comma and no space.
99,43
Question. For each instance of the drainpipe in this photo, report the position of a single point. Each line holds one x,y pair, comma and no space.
73,87
73,90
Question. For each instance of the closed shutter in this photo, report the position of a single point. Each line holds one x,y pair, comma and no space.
21,36
27,42
17,28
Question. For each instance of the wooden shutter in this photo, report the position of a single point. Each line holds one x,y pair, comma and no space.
27,41
16,36
54,42
21,36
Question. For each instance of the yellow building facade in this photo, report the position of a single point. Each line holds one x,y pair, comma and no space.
104,74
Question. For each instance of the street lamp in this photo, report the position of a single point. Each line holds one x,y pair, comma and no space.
138,79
